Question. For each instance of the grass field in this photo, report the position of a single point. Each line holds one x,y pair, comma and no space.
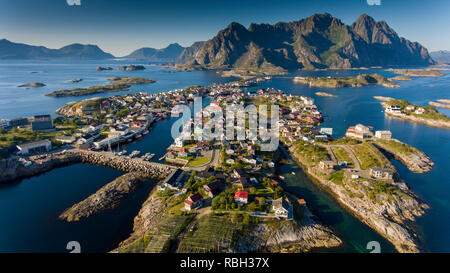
211,234
369,156
198,161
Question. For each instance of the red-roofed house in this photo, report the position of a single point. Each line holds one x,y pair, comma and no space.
241,197
193,201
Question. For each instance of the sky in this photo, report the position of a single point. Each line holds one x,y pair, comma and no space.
121,26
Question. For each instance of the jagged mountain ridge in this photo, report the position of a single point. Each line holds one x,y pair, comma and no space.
319,41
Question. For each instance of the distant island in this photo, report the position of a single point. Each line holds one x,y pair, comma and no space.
131,67
32,84
417,72
339,82
116,84
325,94
101,68
442,103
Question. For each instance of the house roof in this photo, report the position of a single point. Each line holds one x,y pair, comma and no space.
280,203
195,197
241,194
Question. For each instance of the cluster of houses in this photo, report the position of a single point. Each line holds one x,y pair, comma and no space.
362,132
396,109
39,123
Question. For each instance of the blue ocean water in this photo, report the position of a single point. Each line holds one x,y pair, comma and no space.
33,212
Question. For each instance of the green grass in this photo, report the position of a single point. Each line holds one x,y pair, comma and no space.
369,156
313,154
198,161
398,147
342,155
337,177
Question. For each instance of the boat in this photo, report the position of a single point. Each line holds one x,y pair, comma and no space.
134,153
281,177
145,132
292,173
138,136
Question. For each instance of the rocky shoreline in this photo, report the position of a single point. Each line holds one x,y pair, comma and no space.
12,169
107,197
416,161
288,236
391,219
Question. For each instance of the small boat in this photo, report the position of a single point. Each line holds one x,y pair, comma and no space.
292,173
145,132
281,177
138,136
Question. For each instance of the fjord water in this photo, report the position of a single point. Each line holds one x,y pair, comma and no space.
34,203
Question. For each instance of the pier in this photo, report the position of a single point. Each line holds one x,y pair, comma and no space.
123,163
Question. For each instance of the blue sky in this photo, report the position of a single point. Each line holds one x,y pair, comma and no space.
121,26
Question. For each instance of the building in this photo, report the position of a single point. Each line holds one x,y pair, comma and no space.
19,122
244,182
212,189
34,147
241,197
419,111
42,122
175,181
239,173
359,131
326,165
381,173
193,201
326,131
4,123
383,134
66,139
282,208
393,109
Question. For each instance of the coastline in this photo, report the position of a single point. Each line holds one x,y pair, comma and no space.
401,236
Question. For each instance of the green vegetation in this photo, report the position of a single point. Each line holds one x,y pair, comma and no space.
198,161
337,177
342,155
212,234
160,238
397,146
339,82
313,154
429,113
369,156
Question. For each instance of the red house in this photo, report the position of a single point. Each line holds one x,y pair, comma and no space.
193,201
241,197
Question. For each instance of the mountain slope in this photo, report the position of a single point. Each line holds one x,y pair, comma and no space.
191,51
441,56
11,50
171,52
319,41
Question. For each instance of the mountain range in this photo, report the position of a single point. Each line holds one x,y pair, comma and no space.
11,50
441,56
319,41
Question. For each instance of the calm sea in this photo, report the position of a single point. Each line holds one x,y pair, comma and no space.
29,208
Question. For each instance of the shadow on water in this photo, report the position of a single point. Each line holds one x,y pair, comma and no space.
31,209
353,233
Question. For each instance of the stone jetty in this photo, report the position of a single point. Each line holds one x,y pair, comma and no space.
124,163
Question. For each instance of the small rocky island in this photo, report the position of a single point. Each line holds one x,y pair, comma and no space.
339,82
428,72
132,67
325,94
32,84
101,68
442,103
116,84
